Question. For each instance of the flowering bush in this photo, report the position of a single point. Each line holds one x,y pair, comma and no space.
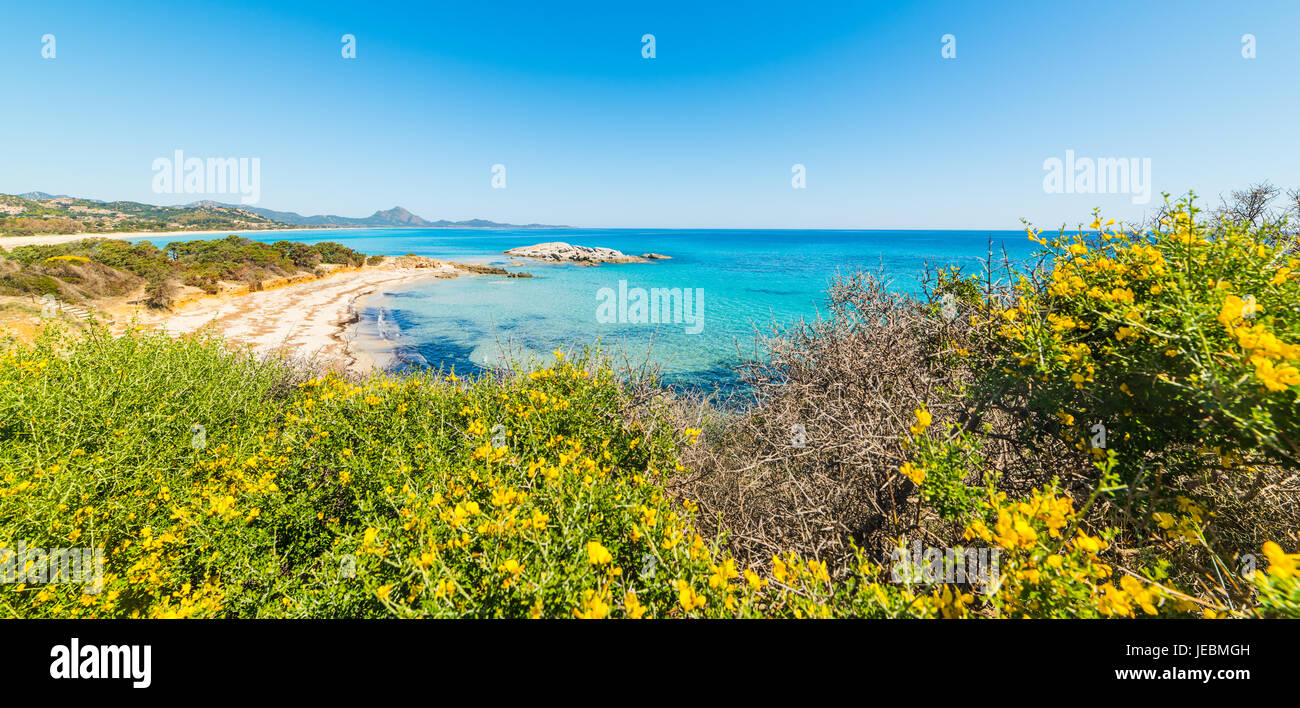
1164,361
1111,426
412,497
939,467
1181,342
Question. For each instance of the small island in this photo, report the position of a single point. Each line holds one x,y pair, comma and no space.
561,252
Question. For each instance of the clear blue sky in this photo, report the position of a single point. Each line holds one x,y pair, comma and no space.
703,135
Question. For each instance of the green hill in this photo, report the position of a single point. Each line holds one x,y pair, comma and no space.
20,216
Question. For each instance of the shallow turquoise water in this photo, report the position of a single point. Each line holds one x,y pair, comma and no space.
749,280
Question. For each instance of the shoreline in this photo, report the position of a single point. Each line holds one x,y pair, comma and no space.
316,319
302,316
349,334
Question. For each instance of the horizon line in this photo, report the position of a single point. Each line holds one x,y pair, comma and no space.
325,227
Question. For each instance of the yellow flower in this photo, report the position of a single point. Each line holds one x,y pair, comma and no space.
1231,311
1090,544
779,569
593,606
912,472
923,420
1114,601
384,591
978,529
633,606
1026,532
723,573
687,596
1139,594
1279,564
597,553
1275,377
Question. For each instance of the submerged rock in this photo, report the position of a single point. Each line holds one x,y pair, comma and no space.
480,269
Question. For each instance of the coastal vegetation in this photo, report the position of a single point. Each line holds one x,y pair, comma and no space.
1116,419
91,269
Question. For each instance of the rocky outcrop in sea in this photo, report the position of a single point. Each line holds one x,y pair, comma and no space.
561,252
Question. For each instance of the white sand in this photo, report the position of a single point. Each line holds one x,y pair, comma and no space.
305,319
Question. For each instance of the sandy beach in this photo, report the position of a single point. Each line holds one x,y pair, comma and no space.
300,316
309,319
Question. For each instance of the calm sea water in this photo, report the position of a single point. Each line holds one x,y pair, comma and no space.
749,281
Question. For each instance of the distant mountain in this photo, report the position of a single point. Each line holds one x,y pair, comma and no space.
37,196
42,212
395,217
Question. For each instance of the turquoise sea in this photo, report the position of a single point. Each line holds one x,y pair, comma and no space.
749,280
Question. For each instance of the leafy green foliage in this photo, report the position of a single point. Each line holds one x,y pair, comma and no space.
199,263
